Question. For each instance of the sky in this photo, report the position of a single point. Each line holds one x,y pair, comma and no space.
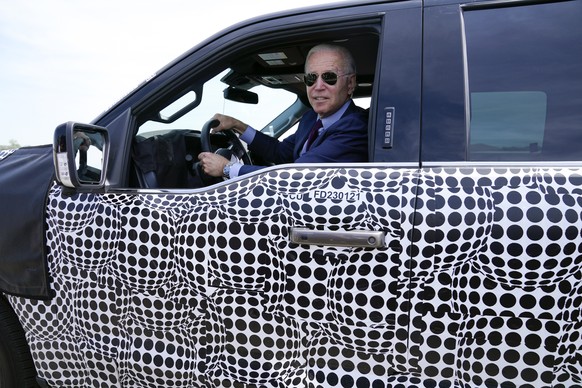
69,60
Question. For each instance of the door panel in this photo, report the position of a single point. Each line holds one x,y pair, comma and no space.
207,286
498,270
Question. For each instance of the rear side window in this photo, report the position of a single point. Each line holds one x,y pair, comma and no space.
524,68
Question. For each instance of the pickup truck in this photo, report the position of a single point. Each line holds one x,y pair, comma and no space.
451,258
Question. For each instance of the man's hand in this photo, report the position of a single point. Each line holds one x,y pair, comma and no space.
212,164
85,140
227,122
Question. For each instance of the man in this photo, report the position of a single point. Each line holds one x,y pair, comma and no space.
330,78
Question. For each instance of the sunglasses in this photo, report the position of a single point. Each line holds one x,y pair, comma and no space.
329,77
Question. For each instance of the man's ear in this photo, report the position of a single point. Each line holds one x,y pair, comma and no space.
351,84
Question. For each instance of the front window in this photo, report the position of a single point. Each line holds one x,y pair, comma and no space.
260,85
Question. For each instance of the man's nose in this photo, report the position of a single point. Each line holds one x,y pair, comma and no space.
319,83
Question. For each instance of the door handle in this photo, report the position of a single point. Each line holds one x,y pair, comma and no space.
351,238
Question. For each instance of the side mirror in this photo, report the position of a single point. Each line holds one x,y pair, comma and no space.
80,153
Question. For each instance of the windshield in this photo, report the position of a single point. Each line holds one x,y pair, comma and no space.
271,103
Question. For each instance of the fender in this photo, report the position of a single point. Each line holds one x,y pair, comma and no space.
25,178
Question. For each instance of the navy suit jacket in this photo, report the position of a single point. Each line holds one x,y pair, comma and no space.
344,141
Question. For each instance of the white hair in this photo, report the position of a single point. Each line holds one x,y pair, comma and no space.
348,59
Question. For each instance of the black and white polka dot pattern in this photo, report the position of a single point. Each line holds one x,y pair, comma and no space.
481,286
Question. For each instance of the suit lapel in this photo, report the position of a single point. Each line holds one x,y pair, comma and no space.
307,123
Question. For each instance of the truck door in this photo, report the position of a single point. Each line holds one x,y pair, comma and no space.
499,247
293,275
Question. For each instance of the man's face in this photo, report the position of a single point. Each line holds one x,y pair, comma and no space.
327,99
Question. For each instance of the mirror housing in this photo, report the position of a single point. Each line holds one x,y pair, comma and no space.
80,154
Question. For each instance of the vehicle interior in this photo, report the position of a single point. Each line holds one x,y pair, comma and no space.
261,86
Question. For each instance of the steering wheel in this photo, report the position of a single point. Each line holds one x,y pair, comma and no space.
235,148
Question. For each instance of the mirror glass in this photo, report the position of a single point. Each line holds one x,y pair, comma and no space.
88,145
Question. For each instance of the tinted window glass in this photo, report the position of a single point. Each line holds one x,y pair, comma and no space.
525,72
507,125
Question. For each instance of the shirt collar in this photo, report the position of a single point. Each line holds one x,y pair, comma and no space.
331,119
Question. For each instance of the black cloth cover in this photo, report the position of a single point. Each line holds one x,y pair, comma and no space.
25,178
172,157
